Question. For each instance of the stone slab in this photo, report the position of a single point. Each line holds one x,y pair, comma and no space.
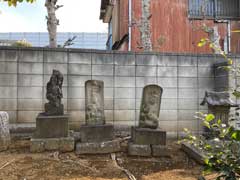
65,144
193,152
5,139
51,126
98,147
145,136
160,151
96,133
139,150
94,102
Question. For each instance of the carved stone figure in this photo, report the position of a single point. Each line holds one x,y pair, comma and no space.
54,94
4,131
94,103
150,106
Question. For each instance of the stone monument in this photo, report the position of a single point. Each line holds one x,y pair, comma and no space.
96,136
147,139
5,139
52,125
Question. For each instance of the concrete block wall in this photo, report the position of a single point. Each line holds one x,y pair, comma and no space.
24,73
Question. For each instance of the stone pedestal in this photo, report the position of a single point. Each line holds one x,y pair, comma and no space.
147,142
146,136
51,126
5,139
63,144
98,147
52,134
96,133
97,139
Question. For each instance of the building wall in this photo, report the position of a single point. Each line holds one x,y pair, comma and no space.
184,78
172,30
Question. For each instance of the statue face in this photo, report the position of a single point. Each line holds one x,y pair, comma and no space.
60,81
54,80
153,98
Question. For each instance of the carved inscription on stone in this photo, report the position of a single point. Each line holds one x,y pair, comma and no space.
4,131
94,102
150,106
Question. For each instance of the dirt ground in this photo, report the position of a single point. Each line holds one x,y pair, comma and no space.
19,164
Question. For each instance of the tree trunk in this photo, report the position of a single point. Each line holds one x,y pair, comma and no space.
52,22
145,26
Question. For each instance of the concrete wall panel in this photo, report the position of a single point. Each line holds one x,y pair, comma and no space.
24,74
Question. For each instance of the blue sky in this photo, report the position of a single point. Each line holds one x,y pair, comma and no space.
74,16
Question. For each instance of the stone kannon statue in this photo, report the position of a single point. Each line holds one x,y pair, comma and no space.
54,95
150,107
94,102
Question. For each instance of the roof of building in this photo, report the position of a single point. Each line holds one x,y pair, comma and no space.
104,4
218,99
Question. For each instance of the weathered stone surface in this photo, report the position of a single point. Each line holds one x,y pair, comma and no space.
96,133
52,144
146,136
150,106
37,145
160,151
51,126
54,95
98,147
66,144
5,139
193,152
94,102
139,150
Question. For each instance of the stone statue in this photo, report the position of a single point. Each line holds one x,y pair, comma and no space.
150,106
54,95
94,103
5,138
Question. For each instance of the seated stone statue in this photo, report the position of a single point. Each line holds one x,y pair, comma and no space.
148,119
150,106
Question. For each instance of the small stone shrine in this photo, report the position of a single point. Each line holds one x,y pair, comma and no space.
5,139
52,125
147,139
219,104
96,136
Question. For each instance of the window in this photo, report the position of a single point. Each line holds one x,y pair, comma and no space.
214,9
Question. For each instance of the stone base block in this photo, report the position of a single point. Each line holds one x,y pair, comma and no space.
146,136
53,110
160,151
65,144
147,150
98,147
96,133
139,150
51,126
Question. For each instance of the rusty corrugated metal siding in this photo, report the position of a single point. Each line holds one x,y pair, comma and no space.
172,30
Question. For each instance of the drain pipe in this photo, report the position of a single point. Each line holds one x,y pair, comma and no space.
229,35
129,24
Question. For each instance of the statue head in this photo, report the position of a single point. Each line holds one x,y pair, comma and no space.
57,78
